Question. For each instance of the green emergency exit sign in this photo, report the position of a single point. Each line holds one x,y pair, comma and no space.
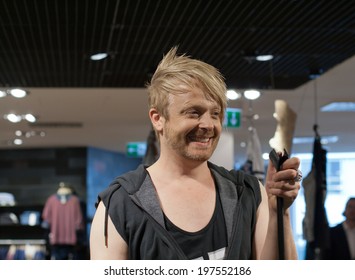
136,149
232,117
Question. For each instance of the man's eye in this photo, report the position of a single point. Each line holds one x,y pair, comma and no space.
194,114
216,114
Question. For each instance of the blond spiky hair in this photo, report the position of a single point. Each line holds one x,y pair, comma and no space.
176,70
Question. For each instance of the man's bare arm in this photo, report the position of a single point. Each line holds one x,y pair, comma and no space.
116,248
265,238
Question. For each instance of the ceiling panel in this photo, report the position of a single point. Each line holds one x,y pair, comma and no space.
47,43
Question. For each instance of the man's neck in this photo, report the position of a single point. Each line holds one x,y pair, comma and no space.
179,168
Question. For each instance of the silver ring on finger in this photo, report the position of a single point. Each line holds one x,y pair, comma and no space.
298,177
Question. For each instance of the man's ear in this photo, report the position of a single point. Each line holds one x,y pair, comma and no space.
156,119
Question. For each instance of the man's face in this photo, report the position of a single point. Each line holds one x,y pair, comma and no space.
350,210
194,125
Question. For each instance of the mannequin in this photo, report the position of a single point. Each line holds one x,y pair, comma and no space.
63,215
286,122
64,191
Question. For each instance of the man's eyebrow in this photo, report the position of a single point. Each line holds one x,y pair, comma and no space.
191,107
200,108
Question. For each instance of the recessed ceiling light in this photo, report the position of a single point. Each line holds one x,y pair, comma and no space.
18,141
265,156
18,93
98,56
265,57
18,133
339,107
13,118
233,95
30,118
252,94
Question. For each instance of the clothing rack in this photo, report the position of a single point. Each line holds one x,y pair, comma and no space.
22,241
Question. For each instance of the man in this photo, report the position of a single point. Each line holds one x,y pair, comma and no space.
182,206
342,236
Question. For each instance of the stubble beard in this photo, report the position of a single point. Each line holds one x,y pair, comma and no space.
180,144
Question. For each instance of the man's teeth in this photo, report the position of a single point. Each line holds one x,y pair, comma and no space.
203,140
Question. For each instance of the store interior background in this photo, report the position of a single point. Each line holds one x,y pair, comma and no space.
89,110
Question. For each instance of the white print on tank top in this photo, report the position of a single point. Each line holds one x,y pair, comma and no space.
216,255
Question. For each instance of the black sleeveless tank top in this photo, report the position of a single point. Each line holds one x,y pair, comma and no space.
208,243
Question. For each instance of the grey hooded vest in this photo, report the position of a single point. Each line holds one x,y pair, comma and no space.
133,206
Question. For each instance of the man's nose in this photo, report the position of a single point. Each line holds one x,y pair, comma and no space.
207,121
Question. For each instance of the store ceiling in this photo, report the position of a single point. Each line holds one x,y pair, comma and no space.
46,45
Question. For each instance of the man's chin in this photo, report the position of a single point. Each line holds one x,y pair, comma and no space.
199,156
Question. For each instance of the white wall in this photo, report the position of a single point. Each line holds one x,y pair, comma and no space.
224,153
